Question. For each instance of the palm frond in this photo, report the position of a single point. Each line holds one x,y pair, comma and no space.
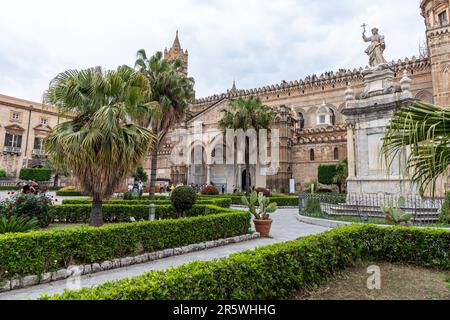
424,129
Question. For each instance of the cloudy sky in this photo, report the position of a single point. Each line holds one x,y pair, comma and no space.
256,42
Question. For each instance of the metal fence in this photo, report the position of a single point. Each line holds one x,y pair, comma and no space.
366,207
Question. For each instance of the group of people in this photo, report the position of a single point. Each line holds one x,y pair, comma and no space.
137,187
29,187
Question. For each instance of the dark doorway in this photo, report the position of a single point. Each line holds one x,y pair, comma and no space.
244,185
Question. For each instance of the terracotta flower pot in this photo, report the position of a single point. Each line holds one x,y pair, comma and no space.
263,227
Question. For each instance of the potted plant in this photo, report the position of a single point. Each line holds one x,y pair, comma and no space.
260,207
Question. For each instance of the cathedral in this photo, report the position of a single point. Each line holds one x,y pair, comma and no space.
312,127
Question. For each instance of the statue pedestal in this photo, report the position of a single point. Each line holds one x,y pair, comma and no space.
378,81
367,118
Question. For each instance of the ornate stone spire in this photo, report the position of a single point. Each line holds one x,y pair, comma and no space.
176,43
177,53
233,89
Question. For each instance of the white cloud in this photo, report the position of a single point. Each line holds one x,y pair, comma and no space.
257,42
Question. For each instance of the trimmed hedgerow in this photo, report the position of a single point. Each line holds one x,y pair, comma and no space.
17,188
69,193
43,251
224,203
37,174
10,188
282,201
124,213
287,267
156,197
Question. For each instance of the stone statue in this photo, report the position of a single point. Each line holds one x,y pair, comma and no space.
376,49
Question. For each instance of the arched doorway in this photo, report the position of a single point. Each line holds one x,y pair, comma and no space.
197,174
244,185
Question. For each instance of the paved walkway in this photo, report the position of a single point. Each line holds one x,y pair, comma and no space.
285,228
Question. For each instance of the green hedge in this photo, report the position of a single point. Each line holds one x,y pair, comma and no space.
10,188
326,173
282,201
224,203
17,188
113,213
38,174
279,271
44,251
69,193
157,197
2,173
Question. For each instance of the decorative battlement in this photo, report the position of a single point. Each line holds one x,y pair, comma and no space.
337,133
342,77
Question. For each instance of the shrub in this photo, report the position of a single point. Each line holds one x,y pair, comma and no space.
183,198
10,188
140,175
132,195
37,174
210,191
28,206
281,200
15,224
326,173
44,251
2,173
263,191
313,206
224,203
288,267
69,191
113,213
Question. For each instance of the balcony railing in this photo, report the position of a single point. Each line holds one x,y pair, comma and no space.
10,149
38,153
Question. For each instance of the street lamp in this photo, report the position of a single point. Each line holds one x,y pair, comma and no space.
152,212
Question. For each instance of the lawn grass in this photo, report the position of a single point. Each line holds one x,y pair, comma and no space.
380,221
370,220
398,282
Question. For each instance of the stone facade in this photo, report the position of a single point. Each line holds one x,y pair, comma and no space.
437,17
313,129
23,125
309,111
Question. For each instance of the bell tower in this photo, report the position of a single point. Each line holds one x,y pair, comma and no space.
437,14
176,52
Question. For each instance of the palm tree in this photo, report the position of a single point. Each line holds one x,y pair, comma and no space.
247,114
172,90
100,145
424,129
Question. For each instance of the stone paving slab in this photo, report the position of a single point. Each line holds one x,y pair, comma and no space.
285,228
